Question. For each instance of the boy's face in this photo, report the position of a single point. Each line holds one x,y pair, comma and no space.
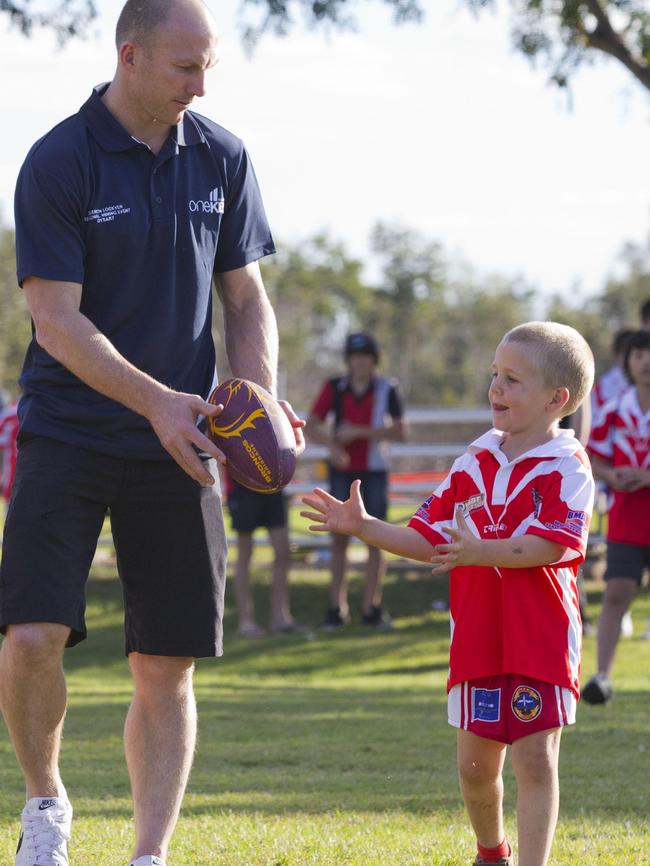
361,365
638,363
519,397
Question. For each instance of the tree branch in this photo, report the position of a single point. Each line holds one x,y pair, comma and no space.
606,39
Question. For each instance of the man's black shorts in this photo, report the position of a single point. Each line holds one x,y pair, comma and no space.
249,509
169,539
374,489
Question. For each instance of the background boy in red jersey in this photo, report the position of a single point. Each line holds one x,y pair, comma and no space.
510,522
8,450
619,447
367,412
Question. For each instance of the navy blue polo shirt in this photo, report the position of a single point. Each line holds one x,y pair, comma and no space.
142,234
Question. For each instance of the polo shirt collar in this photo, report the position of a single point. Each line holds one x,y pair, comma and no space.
111,135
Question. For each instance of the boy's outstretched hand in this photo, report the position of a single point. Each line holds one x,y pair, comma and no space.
332,515
465,547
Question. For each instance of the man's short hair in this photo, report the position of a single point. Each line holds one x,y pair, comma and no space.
562,355
637,340
138,20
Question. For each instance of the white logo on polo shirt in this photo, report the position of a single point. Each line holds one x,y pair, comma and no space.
106,214
215,203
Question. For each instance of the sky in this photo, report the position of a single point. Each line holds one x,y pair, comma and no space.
440,128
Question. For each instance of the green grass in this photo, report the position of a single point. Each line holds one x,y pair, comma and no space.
335,750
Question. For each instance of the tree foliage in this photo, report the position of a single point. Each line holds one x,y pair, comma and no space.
561,34
14,322
565,34
437,326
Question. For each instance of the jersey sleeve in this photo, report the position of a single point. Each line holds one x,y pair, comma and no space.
435,512
324,402
244,235
48,213
601,439
563,507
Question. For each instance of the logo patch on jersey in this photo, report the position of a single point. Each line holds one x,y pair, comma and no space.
486,705
471,504
575,527
537,502
215,202
526,703
423,510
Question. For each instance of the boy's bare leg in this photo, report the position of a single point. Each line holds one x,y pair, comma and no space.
159,739
243,597
535,762
619,595
33,701
280,609
375,571
339,581
480,764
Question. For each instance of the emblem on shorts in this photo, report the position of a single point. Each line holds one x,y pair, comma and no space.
486,705
526,703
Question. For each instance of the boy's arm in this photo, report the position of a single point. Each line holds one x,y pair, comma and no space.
523,551
393,431
351,518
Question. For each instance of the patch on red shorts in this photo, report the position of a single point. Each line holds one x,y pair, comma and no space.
526,703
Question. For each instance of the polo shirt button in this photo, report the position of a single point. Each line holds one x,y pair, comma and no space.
158,199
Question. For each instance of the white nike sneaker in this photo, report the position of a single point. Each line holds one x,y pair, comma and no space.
45,830
148,860
627,626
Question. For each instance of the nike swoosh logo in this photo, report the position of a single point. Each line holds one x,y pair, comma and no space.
46,805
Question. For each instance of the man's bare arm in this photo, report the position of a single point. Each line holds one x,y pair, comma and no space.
74,341
251,333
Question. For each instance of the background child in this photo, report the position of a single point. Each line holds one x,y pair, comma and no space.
510,522
248,511
620,453
366,411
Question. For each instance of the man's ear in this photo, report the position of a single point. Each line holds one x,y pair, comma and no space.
127,54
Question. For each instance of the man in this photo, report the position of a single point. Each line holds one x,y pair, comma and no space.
124,213
367,412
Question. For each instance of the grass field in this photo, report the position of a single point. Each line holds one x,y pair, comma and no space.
335,749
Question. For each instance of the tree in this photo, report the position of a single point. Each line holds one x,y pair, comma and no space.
563,34
66,18
15,330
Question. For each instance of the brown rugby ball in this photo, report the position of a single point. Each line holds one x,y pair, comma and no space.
255,434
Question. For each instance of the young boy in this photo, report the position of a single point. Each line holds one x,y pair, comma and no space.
510,522
620,452
367,413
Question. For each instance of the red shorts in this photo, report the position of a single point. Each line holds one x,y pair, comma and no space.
509,706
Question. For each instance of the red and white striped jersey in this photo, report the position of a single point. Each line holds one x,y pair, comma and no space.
610,386
8,434
516,620
620,434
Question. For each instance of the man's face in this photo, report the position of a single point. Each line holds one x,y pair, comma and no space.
172,66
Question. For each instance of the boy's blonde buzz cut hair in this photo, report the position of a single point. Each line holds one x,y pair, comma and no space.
562,355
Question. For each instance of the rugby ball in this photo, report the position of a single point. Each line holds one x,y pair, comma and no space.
255,434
